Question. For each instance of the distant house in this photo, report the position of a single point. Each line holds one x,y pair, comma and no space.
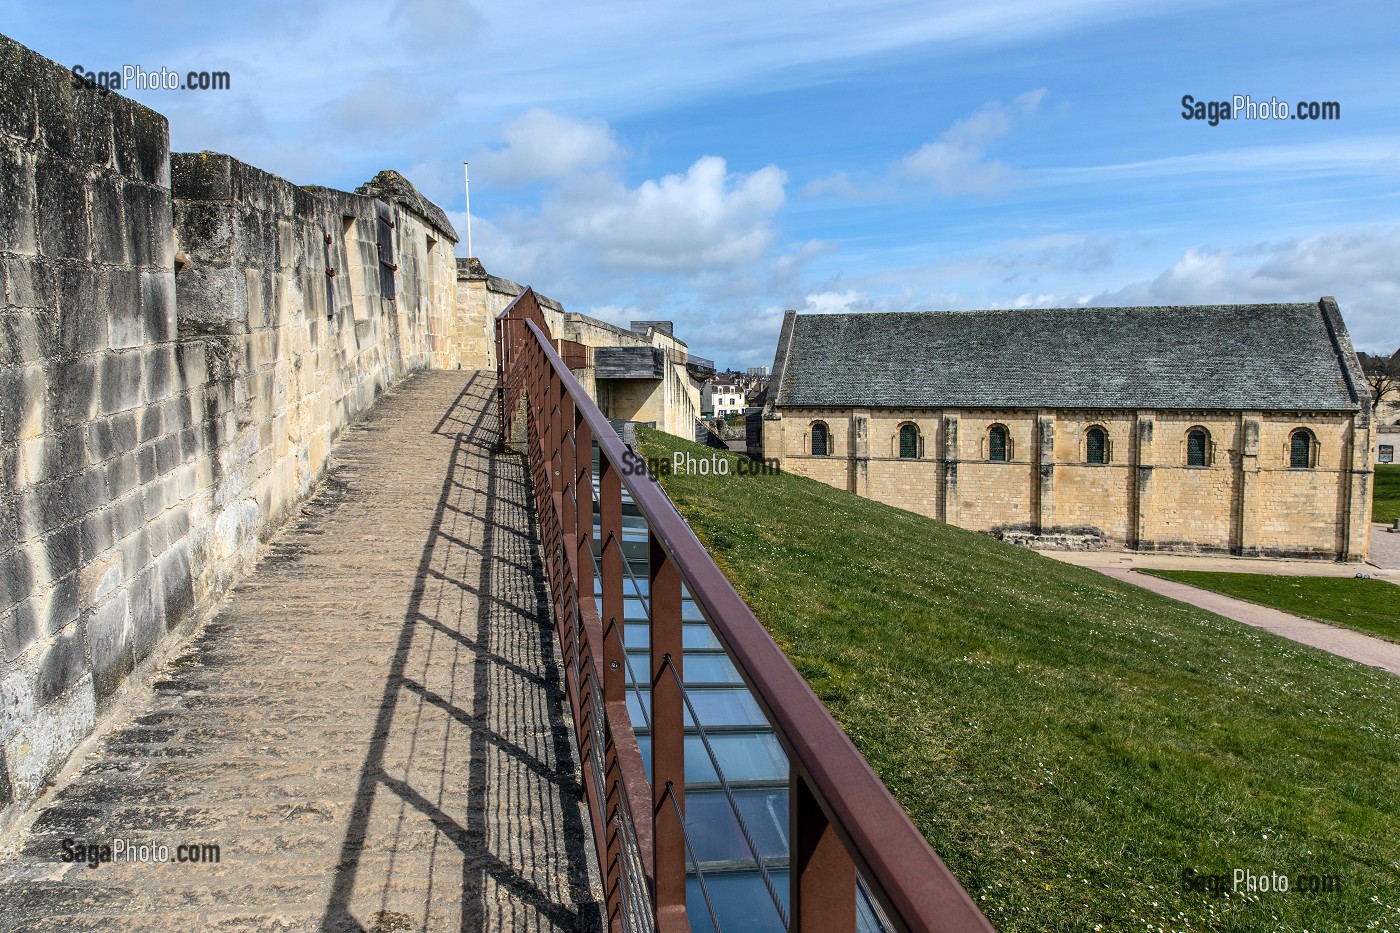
1235,429
1387,437
721,398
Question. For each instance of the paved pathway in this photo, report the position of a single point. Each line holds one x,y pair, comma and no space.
371,729
1125,560
1376,652
1385,549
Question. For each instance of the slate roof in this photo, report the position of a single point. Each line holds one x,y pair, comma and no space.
1234,357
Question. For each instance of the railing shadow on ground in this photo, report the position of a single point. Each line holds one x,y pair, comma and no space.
491,838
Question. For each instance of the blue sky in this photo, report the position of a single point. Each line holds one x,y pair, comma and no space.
715,163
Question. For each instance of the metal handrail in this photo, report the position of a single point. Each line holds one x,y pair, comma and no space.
844,819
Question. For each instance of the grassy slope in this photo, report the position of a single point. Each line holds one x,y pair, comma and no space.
1370,606
1385,506
1069,744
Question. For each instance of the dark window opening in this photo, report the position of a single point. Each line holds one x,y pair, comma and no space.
908,442
1300,450
996,444
1096,446
819,440
1196,446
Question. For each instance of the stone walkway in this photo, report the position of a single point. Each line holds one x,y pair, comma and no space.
1385,550
1344,642
371,730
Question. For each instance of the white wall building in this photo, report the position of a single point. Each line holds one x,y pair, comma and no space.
721,398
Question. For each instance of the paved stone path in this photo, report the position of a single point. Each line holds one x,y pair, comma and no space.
1385,550
1344,642
1387,567
371,730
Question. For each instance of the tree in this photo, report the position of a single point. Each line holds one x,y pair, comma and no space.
1382,375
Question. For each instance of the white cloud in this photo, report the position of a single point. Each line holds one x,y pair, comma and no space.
1357,267
957,161
545,146
705,219
438,24
1356,155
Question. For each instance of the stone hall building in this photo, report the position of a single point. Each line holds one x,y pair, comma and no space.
1233,429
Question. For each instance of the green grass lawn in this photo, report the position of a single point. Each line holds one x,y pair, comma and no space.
1385,506
1370,606
1068,743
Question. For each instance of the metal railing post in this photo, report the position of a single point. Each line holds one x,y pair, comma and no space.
614,673
667,742
823,878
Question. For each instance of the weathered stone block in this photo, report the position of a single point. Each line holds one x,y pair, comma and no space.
177,519
146,463
96,535
62,666
125,432
62,547
201,176
121,304
160,365
19,627
148,228
107,642
152,420
206,231
177,584
63,221
190,363
152,137
211,300
29,283
168,455
43,733
147,614
130,517
121,381
108,223
16,578
72,391
18,220
175,412
17,64
158,305
61,605
82,328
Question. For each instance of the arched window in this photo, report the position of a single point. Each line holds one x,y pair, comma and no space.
1300,449
908,441
997,444
1096,446
1197,447
820,439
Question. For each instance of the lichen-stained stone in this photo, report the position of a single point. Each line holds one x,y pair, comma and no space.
18,219
105,200
62,211
81,328
157,290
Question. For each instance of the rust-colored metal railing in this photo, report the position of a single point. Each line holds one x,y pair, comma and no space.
843,822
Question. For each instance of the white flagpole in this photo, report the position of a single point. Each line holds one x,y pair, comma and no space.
467,179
